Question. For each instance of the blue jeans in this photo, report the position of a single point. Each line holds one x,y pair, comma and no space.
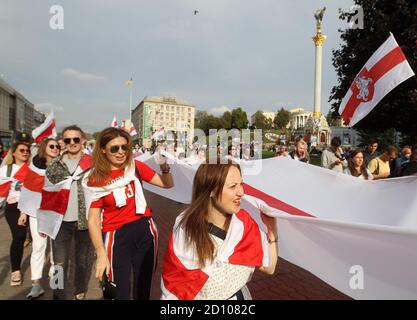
84,257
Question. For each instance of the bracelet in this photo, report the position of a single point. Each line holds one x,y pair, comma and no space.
273,241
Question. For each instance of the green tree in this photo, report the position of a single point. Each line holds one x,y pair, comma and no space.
398,109
282,118
260,120
201,121
227,120
239,119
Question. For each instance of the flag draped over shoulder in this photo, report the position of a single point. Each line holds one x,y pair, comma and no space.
385,69
5,182
46,129
331,224
55,199
30,197
182,278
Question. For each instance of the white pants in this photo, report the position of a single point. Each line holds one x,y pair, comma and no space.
39,244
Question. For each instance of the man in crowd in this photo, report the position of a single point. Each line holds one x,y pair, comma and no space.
333,157
371,151
380,166
72,163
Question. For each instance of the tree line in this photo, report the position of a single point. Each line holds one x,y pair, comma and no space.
238,119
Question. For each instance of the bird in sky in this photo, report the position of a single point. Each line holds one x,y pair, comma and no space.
195,12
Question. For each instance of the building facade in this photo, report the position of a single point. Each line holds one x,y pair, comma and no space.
170,114
298,118
17,114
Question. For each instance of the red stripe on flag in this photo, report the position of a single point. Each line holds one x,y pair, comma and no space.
274,202
4,189
350,108
46,133
389,61
55,201
21,173
33,181
383,66
249,250
86,162
183,283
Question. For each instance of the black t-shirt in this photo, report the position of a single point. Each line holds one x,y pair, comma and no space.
410,169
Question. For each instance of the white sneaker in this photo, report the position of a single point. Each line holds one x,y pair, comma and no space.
35,292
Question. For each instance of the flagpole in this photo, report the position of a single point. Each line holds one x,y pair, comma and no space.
130,105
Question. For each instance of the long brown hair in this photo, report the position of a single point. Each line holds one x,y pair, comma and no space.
42,150
100,174
209,179
351,165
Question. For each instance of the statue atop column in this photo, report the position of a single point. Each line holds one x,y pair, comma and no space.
319,17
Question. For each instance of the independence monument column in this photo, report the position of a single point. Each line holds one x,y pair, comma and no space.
318,40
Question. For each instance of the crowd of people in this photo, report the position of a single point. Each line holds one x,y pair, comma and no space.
106,216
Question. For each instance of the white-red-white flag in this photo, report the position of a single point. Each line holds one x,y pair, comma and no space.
114,123
158,133
123,126
133,130
46,129
386,69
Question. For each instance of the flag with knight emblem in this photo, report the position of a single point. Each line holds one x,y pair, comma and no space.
385,69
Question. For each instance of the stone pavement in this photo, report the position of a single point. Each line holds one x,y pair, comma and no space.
289,282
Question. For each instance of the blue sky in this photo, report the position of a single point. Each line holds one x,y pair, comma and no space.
252,54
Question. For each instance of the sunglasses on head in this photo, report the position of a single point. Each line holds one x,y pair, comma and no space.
53,146
75,140
116,148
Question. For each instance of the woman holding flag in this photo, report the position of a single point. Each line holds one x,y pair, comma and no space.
120,223
30,200
215,245
12,175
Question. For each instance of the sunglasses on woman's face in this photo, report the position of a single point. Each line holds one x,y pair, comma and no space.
53,146
116,148
75,140
24,150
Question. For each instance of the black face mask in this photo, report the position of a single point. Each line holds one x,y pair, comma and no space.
109,288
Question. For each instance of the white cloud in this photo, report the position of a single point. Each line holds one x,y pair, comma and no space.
72,73
47,106
219,110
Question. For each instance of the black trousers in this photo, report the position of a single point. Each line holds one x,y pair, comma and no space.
133,246
18,235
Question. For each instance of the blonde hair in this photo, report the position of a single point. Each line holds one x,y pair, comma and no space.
9,159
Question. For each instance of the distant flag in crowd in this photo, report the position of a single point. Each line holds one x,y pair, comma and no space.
159,133
114,123
46,129
133,130
129,82
385,69
123,127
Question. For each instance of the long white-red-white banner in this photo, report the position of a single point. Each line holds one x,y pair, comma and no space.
358,236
